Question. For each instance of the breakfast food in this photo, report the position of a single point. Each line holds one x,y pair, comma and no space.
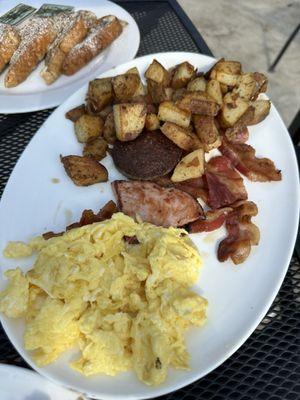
76,27
36,36
67,39
149,156
155,204
9,42
165,134
117,289
101,35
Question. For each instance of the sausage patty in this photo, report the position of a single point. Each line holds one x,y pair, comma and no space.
149,156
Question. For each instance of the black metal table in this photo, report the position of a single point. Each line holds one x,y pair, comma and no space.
267,366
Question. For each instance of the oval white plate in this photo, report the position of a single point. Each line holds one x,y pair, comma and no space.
33,94
23,384
239,296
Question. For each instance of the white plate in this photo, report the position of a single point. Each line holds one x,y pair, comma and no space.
33,94
239,296
23,384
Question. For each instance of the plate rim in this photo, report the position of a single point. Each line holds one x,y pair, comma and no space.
31,102
259,316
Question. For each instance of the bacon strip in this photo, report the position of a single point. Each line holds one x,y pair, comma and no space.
88,217
242,233
225,185
196,187
213,220
155,204
243,158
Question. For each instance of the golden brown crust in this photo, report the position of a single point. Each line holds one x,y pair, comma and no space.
102,35
76,28
36,36
9,42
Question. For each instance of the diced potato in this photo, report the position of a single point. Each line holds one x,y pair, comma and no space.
207,132
190,167
158,92
129,120
178,94
84,171
224,88
227,72
100,94
76,112
197,84
158,74
233,108
213,88
95,148
104,113
198,103
88,127
169,112
261,110
152,122
125,86
109,131
141,90
182,137
182,74
250,85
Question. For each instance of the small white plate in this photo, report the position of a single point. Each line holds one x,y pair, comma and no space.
23,384
239,296
34,94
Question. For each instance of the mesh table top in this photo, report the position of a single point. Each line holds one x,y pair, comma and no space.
267,365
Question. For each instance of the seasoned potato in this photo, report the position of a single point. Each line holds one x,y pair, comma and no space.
76,112
182,137
152,122
100,94
141,90
247,118
250,85
178,94
158,92
109,131
190,167
169,112
198,103
207,132
84,171
88,127
129,120
224,88
261,110
182,74
104,113
199,83
233,108
213,88
227,72
125,86
157,73
95,148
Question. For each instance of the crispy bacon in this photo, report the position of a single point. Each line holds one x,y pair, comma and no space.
155,204
213,219
88,217
243,158
225,185
242,233
196,187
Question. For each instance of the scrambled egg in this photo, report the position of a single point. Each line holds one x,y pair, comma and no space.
126,305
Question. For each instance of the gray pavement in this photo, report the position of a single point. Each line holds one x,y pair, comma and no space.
253,32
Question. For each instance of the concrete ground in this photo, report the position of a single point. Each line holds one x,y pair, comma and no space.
253,32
